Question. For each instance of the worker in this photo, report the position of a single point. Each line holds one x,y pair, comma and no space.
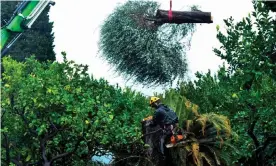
166,118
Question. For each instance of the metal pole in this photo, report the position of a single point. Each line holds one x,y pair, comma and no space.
6,49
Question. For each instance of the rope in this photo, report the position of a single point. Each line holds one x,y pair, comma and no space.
170,11
151,132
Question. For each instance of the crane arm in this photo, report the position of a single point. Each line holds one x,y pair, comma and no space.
23,18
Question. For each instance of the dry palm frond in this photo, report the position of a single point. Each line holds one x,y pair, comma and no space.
220,123
188,124
196,154
203,121
208,158
205,133
213,152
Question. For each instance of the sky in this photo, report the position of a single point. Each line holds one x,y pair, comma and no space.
77,25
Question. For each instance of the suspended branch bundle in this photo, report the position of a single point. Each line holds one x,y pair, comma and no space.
271,5
144,45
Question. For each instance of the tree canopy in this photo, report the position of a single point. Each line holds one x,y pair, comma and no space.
246,90
141,50
57,113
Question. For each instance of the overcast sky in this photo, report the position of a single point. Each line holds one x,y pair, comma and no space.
77,25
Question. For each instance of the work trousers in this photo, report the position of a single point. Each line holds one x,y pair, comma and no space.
167,133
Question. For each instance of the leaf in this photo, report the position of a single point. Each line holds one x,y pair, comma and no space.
234,95
217,27
7,85
111,116
208,159
28,158
196,154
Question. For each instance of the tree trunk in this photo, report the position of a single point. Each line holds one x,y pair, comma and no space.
152,138
179,17
47,164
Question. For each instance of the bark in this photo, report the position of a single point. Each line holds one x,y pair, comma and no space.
180,17
271,5
43,152
7,148
152,138
252,135
63,155
250,132
47,164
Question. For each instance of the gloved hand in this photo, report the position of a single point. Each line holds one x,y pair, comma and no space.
149,124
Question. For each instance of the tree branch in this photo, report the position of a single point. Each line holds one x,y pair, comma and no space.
252,135
3,113
52,124
67,153
17,163
8,160
35,163
26,122
7,147
21,115
152,19
43,150
180,17
43,142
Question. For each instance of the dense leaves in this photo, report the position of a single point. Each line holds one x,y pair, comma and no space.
206,134
57,113
246,90
141,50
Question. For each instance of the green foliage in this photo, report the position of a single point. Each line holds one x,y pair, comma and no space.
250,44
58,109
36,41
183,107
141,50
205,133
244,91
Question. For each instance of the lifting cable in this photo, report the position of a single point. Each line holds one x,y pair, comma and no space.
170,11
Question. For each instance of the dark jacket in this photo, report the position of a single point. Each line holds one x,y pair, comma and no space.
163,115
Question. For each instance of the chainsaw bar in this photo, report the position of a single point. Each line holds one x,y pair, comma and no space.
182,142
